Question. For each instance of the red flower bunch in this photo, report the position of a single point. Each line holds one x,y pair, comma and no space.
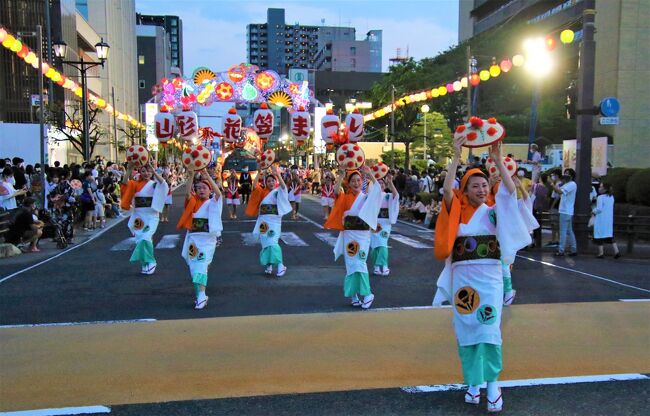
476,122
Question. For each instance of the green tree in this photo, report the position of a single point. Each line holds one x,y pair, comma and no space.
398,155
68,123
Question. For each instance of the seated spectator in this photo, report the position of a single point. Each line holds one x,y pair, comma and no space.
419,210
26,226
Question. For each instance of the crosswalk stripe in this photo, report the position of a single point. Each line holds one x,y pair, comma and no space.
169,241
124,245
326,238
248,239
291,239
409,241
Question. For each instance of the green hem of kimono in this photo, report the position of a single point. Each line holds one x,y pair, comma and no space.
200,279
271,255
380,256
356,283
507,278
481,363
143,252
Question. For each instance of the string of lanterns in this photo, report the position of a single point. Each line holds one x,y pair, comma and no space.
567,36
13,44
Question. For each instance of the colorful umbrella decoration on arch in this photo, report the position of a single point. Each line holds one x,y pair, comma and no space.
241,84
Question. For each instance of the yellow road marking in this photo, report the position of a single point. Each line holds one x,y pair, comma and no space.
49,367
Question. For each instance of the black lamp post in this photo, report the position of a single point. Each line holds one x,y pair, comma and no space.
60,49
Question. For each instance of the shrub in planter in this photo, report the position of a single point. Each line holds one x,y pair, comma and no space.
638,187
618,178
426,197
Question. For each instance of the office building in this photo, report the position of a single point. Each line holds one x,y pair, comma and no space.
280,46
173,26
154,59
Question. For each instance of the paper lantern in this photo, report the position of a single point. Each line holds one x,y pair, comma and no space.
474,80
484,75
567,36
464,82
187,124
506,65
354,126
518,60
22,53
442,91
165,126
8,42
450,87
550,43
435,93
231,126
329,127
196,157
137,156
495,71
300,126
17,46
457,86
3,34
263,122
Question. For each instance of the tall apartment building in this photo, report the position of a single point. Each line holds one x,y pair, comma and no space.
279,46
154,59
173,26
622,55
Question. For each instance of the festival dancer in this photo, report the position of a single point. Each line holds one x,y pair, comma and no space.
202,220
269,202
148,199
354,215
387,216
295,193
232,194
327,195
472,238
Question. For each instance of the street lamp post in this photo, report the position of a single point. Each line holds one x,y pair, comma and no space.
425,111
60,49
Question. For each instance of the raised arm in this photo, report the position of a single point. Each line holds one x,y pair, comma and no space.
448,185
275,172
339,182
506,179
213,185
156,175
365,169
391,186
127,174
521,187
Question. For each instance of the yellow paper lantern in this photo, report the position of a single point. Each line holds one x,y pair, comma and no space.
518,60
442,90
495,71
18,45
8,42
567,36
435,93
484,75
463,82
457,86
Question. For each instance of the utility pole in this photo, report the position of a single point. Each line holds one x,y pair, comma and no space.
584,118
41,111
48,30
114,125
392,124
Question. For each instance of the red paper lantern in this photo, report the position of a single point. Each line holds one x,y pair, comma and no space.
474,80
550,43
506,65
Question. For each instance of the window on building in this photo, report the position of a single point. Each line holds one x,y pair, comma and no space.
141,84
141,59
353,50
174,31
174,23
174,39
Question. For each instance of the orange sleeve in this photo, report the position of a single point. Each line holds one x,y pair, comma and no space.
254,201
127,191
446,229
335,219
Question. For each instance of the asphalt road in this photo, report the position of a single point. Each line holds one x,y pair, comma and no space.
95,282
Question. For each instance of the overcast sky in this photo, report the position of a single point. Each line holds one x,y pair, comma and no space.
214,31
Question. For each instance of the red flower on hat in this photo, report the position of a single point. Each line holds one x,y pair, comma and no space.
460,129
476,122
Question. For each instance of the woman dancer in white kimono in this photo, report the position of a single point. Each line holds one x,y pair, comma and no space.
148,200
354,215
388,213
269,203
202,220
327,195
472,238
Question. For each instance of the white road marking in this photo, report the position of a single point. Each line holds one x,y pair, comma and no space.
291,239
327,238
125,245
545,263
311,221
634,300
532,382
169,241
85,410
76,246
127,321
248,239
408,241
409,308
413,225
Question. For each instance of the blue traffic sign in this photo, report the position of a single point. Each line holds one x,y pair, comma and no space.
610,106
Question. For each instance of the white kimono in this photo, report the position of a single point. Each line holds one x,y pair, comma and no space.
475,287
198,247
144,221
355,244
526,211
380,235
269,226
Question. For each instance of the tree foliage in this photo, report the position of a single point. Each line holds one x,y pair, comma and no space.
68,123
